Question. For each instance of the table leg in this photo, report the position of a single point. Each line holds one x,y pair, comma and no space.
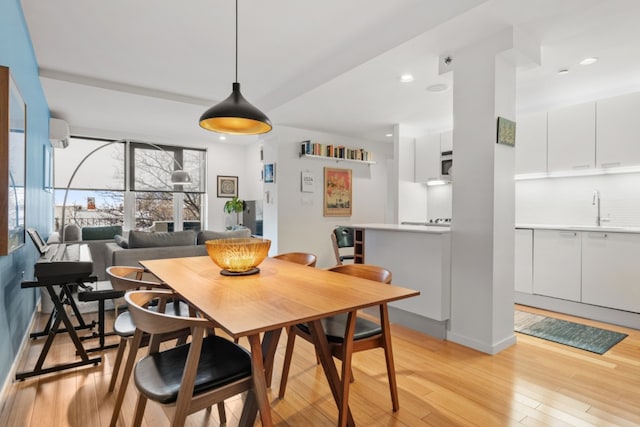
257,399
339,388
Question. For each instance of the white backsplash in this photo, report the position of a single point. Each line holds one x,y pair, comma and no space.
562,201
568,201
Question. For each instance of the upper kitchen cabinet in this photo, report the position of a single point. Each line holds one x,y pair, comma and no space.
572,138
427,158
618,131
531,143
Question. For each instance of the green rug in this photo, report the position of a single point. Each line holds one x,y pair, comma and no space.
584,337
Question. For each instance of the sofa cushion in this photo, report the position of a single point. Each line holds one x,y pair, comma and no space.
205,235
144,239
121,241
101,232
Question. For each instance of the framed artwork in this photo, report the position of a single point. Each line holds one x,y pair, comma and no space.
13,144
506,132
227,186
337,192
270,172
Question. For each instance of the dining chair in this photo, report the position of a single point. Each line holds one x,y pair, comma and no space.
342,237
190,376
298,258
125,279
367,334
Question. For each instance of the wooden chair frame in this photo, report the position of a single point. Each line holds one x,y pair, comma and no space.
159,325
338,350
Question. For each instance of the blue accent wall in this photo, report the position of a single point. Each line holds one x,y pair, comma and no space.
16,304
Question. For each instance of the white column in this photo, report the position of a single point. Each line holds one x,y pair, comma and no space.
483,205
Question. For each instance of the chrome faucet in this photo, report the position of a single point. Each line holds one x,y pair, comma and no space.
596,202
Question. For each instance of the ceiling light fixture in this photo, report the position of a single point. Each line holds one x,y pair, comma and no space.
406,78
235,115
438,87
589,61
388,135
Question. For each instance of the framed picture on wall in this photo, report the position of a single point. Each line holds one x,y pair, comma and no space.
270,172
13,144
337,192
227,186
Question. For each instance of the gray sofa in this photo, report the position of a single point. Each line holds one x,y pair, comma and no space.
158,245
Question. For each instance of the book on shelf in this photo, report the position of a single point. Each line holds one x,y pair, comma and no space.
334,151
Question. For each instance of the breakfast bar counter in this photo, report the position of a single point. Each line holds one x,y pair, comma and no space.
419,257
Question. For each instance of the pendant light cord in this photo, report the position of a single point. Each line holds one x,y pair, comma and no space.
236,41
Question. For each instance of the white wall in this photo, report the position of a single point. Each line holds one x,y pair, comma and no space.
294,220
568,200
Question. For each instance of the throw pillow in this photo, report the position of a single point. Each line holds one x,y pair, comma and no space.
144,239
205,235
101,233
121,241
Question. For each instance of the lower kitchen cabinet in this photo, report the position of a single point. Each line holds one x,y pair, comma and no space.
524,261
611,270
557,264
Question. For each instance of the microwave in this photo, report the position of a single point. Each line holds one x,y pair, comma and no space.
446,162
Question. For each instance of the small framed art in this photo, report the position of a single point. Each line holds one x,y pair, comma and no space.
270,172
506,132
227,186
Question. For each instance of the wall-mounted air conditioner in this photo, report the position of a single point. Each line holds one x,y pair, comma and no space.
58,133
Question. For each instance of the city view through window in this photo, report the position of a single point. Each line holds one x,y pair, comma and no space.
143,197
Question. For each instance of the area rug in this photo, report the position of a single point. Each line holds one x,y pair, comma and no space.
584,337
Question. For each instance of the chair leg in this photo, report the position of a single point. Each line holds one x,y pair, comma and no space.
126,374
222,414
116,364
141,404
291,339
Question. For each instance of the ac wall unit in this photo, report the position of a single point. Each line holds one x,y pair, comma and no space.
58,133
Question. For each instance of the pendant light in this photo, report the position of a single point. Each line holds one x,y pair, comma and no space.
235,115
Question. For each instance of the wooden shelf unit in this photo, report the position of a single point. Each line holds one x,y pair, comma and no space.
358,245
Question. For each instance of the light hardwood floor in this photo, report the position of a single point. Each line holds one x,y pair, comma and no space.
533,383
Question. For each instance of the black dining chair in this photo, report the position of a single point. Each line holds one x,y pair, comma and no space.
341,238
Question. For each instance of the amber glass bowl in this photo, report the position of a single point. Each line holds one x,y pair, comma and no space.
238,256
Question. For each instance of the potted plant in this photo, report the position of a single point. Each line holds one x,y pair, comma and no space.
234,205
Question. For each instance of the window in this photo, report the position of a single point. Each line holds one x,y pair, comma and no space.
98,191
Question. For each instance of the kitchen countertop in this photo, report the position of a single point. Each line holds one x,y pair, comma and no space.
404,227
603,228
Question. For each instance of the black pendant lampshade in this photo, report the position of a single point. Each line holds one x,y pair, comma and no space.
235,115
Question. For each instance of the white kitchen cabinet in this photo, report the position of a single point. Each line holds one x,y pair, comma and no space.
618,131
611,270
531,143
572,138
446,141
524,261
557,264
427,158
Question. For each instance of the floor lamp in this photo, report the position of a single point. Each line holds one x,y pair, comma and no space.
178,176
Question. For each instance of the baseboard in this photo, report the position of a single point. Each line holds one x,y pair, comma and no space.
14,366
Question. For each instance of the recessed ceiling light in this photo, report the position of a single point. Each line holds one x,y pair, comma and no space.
438,87
222,137
406,78
388,135
563,71
589,61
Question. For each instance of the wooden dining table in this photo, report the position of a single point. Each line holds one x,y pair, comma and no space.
282,294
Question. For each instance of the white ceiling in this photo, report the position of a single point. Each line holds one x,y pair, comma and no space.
152,67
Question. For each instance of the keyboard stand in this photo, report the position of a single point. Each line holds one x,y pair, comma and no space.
59,315
66,297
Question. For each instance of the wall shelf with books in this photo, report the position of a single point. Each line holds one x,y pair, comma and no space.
339,153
